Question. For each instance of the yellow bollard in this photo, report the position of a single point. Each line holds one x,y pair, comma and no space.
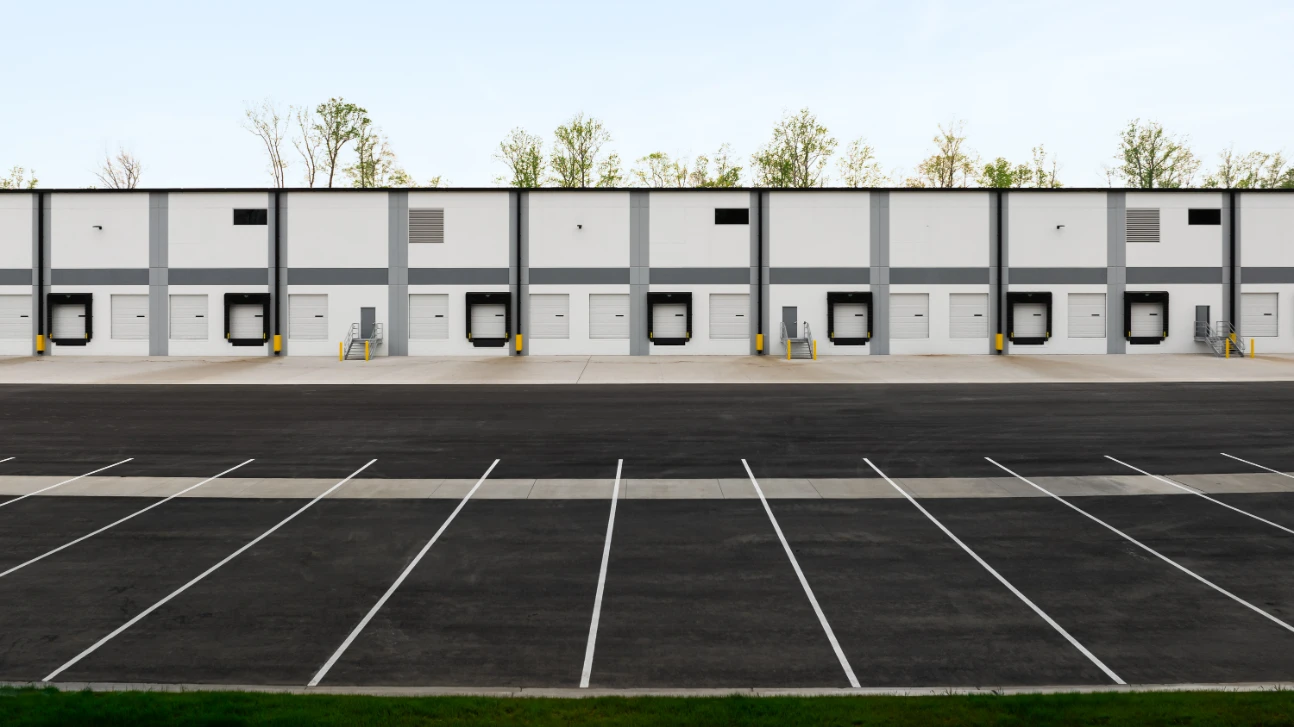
366,350
1227,343
341,354
40,343
788,350
1251,348
999,342
518,343
278,343
815,349
759,342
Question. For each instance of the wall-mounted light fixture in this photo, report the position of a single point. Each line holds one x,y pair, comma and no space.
579,227
97,227
1060,227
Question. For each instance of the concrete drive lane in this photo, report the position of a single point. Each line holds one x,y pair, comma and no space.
910,608
503,598
700,593
53,610
1149,622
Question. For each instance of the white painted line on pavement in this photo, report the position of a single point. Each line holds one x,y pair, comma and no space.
323,671
822,618
1255,464
64,482
602,581
6,459
142,614
1150,550
1041,613
115,524
1197,493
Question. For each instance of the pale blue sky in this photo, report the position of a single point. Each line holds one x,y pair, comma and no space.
446,81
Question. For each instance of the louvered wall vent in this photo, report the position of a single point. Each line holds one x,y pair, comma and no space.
428,225
1143,225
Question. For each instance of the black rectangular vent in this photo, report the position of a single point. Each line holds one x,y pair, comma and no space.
731,216
251,217
1203,217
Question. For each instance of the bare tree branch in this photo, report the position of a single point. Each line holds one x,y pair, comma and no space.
269,123
120,172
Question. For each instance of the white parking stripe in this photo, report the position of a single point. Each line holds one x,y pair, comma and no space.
323,671
1255,464
1041,613
602,581
6,459
1197,493
1150,550
142,614
115,524
822,618
64,482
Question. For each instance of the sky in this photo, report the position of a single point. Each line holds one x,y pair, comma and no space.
447,81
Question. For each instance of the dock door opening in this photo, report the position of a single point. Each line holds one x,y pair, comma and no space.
1028,318
849,318
669,318
489,319
1145,317
71,318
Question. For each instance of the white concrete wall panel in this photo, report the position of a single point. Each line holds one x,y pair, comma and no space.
810,302
1060,341
1182,300
16,220
201,232
1283,342
1266,230
216,345
344,302
79,243
701,344
1051,230
456,344
579,230
477,232
940,229
1180,245
684,235
337,230
940,340
579,343
101,341
819,229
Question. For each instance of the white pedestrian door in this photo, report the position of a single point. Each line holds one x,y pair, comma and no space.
1258,315
130,317
1087,315
489,320
1147,320
848,320
1030,320
308,317
669,320
247,321
69,321
429,317
188,317
550,316
608,316
15,317
729,316
968,315
909,315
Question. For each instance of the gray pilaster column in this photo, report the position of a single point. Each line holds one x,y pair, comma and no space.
519,218
1116,276
159,329
879,275
639,271
397,284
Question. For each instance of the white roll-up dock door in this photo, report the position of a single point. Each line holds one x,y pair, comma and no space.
15,318
489,321
188,318
669,320
307,317
428,317
130,317
550,316
909,315
609,316
246,321
1030,320
1086,315
968,315
1147,320
1258,315
729,316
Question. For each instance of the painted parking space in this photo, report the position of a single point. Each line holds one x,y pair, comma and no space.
1147,621
39,524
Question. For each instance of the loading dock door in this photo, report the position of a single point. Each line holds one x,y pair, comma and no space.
1258,315
130,317
1087,315
609,316
307,317
429,317
15,317
729,316
246,321
968,315
550,316
1147,320
849,319
489,321
189,317
909,315
669,320
68,321
1030,320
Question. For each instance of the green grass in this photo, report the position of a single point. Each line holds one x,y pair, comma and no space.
31,707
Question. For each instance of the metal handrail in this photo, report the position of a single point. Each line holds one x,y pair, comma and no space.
808,334
784,336
351,335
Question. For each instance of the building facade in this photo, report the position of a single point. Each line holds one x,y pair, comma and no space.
640,272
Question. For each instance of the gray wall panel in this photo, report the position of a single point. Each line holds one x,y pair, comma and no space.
18,276
939,276
1172,276
1059,276
159,311
36,292
216,276
397,291
879,254
1116,238
766,247
450,276
700,276
822,276
579,276
99,276
340,276
1267,275
996,219
519,240
639,271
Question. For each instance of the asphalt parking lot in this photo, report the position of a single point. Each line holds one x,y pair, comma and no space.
695,592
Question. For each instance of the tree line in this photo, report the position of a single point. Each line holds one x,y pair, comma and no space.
336,143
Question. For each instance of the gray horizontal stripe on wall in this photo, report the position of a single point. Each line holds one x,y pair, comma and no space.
104,276
1059,276
17,276
337,276
1267,275
579,276
826,276
1171,275
458,276
218,276
700,276
941,276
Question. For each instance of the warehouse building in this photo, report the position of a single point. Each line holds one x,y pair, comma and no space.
639,272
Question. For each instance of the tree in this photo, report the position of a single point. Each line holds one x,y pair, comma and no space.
859,168
524,156
952,163
375,163
438,181
1255,170
576,148
308,142
609,172
17,179
659,170
270,124
1151,158
725,174
121,171
797,155
337,123
1040,173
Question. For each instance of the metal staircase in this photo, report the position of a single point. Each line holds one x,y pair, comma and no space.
1218,335
354,347
799,348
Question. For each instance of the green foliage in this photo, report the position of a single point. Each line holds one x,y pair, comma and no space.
17,179
659,170
609,172
524,156
375,163
1039,174
797,155
1255,170
576,148
859,168
337,122
1150,158
725,173
951,165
